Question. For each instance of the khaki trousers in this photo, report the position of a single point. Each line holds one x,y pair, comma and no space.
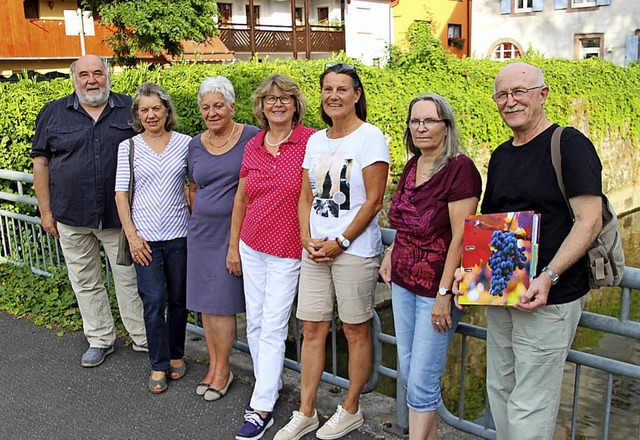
525,361
81,249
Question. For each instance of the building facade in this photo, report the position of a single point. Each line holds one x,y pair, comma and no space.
450,21
573,29
311,29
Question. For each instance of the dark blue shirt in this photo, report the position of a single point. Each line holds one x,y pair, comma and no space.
82,157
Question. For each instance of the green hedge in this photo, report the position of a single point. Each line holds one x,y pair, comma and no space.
595,96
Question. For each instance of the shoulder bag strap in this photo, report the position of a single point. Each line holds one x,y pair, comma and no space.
556,160
131,152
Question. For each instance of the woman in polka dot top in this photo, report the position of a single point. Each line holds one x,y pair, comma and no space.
264,244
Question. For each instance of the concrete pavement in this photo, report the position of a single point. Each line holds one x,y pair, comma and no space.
46,394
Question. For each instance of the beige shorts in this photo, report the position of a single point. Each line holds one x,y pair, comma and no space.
349,279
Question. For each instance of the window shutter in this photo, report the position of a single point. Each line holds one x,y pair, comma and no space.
603,2
631,50
505,7
537,5
561,4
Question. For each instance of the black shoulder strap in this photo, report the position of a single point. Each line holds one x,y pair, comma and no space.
556,160
131,153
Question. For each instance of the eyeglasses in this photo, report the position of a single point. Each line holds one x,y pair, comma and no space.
284,99
340,66
502,97
428,122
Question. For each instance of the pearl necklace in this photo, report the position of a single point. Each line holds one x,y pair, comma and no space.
277,144
233,130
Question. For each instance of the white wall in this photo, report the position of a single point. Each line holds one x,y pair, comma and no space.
551,31
278,12
367,29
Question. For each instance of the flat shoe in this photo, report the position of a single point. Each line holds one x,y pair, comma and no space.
202,388
153,384
212,394
176,373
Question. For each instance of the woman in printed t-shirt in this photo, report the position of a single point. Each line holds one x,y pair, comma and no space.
438,188
345,174
264,244
156,227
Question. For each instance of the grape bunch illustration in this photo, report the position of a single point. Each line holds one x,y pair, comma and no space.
505,257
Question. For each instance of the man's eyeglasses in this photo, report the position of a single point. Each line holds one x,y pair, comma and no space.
502,97
284,99
428,122
341,66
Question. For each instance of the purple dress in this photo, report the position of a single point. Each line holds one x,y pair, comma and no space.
211,288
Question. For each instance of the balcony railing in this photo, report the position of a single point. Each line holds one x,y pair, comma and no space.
280,39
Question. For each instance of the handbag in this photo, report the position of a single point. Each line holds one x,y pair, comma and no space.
605,254
123,258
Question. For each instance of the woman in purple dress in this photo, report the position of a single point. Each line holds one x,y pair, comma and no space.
214,166
438,188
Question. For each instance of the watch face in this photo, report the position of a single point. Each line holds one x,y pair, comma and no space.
346,243
443,291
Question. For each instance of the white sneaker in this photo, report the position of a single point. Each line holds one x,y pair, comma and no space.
341,423
298,426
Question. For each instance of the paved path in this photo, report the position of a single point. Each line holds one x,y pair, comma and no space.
46,394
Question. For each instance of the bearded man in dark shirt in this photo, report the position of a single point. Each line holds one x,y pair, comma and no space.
75,152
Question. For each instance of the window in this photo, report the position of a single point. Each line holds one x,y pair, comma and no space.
454,30
582,3
256,13
225,13
505,51
31,9
524,5
299,18
323,16
588,45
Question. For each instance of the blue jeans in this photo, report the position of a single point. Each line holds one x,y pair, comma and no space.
162,285
422,351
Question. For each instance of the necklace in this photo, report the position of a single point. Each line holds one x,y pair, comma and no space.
277,144
424,175
233,130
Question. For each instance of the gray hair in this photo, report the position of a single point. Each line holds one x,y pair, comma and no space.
452,147
149,89
217,84
105,65
81,96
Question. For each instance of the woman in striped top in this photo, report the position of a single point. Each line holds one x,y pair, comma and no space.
156,227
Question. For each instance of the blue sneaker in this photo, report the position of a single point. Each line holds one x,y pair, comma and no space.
254,426
94,356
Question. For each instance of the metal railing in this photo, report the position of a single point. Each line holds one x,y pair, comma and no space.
23,242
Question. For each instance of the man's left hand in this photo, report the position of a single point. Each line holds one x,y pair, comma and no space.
536,295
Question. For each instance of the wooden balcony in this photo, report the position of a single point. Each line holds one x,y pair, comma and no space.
286,41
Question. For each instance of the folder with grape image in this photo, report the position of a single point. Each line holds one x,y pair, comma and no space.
499,257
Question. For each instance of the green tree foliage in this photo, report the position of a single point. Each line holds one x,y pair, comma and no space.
154,25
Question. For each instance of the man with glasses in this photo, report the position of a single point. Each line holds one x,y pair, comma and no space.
527,344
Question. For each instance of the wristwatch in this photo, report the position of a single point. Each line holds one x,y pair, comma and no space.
343,242
442,291
554,276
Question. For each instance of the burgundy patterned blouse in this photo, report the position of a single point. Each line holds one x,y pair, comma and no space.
421,217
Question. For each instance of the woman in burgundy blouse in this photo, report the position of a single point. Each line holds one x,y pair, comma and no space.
438,188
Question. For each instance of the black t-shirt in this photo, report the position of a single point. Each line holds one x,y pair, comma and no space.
522,178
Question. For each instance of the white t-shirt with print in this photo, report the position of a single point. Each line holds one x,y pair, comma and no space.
335,171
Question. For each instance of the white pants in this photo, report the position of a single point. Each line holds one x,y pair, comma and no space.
270,286
81,249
